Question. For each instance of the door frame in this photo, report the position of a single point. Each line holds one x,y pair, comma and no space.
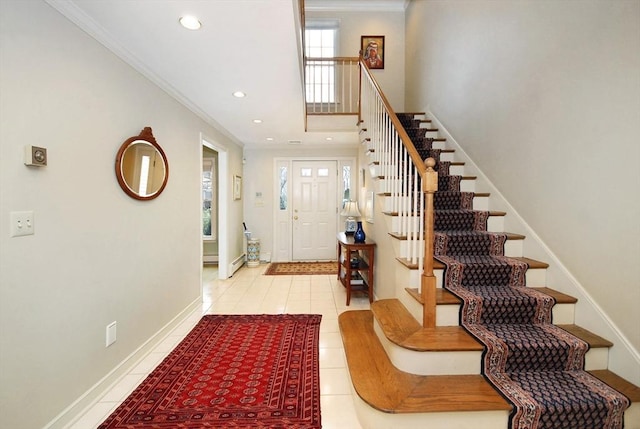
282,250
223,186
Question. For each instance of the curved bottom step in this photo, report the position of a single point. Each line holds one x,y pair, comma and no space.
387,389
386,397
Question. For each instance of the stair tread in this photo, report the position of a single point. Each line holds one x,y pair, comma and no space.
401,328
589,337
491,212
411,113
439,265
390,390
444,297
623,386
510,236
560,297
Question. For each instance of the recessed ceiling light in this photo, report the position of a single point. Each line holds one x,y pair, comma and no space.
239,94
190,22
329,139
269,139
257,121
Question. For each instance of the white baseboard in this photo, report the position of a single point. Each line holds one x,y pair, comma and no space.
236,264
209,259
81,405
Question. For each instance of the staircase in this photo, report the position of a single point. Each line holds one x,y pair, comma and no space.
407,375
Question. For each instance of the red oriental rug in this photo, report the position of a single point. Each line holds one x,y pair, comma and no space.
233,371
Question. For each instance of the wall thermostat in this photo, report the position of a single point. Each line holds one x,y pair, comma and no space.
35,156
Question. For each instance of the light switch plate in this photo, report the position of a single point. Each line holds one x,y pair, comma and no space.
111,333
22,223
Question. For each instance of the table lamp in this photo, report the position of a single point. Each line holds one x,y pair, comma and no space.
351,211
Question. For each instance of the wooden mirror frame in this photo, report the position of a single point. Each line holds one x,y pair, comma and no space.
146,138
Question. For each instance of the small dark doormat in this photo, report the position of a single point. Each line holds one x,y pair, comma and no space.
302,268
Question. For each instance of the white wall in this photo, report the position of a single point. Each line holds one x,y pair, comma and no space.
97,255
362,23
545,98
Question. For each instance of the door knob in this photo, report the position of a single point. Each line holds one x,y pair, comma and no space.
295,218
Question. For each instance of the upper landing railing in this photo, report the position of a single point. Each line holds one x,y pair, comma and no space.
331,85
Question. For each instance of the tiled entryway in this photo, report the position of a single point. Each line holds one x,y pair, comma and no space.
251,292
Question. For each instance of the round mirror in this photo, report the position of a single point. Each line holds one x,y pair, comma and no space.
141,166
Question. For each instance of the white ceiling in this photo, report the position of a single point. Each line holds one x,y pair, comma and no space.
245,45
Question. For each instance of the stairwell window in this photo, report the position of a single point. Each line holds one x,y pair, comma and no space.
320,76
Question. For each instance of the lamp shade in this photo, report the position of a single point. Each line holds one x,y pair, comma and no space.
350,209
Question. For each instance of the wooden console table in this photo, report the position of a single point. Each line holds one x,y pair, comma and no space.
355,265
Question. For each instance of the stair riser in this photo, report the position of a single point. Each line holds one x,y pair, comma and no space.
430,363
632,416
494,224
455,170
449,315
481,203
439,144
389,206
597,359
512,248
447,156
534,277
467,185
371,418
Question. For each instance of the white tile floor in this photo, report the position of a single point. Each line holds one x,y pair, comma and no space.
251,292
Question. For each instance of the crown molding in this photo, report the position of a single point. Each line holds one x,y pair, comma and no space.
73,13
356,5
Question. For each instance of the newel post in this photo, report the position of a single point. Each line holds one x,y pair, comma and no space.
428,280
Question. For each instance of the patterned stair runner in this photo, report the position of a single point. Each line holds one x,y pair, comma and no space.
536,365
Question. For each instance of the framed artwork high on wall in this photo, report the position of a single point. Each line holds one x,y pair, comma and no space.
372,48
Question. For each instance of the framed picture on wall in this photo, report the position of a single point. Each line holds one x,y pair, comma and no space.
368,207
237,187
372,48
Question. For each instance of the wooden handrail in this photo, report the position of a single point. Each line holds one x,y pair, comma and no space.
406,140
330,86
429,180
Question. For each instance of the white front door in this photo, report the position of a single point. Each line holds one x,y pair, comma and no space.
314,208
